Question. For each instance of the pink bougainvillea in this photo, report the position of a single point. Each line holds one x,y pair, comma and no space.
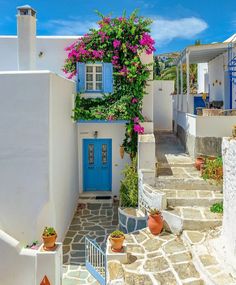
119,41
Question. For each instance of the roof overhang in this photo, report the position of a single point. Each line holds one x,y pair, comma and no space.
202,53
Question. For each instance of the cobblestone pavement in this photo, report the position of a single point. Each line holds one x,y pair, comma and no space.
162,259
95,220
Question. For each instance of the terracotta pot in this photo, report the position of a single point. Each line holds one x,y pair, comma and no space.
49,241
117,243
155,224
122,152
199,162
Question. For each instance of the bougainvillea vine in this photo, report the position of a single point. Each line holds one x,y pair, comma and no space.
120,41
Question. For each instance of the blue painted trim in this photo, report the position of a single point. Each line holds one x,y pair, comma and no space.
93,91
95,274
97,143
102,122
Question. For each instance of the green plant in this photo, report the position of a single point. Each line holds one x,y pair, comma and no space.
49,231
117,234
118,40
129,185
153,212
213,170
217,208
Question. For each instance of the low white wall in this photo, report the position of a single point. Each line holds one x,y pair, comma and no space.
37,144
215,126
163,104
229,190
26,266
113,131
206,126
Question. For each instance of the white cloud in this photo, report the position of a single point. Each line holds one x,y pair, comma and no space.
70,27
164,31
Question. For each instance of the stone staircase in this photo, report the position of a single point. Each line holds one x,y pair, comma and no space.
186,196
180,254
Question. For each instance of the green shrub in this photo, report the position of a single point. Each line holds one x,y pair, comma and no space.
213,170
129,185
217,208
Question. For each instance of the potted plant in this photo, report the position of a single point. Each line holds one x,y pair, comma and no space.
199,162
49,238
155,221
117,239
122,151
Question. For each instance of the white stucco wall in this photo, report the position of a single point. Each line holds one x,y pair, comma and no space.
229,190
53,48
217,68
209,126
202,77
34,170
63,154
163,104
19,265
113,131
148,99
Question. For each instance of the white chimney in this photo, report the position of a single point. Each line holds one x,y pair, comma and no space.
26,43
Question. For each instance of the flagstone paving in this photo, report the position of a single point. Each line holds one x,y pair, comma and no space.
95,220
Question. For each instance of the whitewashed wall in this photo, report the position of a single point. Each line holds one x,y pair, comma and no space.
209,126
53,48
202,76
63,155
19,265
216,73
163,104
229,190
32,193
113,131
148,99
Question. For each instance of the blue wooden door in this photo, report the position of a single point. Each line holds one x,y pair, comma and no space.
97,171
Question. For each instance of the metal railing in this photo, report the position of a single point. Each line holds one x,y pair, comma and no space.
95,260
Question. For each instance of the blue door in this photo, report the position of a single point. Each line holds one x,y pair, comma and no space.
97,171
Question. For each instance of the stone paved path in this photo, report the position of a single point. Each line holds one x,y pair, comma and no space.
162,259
96,220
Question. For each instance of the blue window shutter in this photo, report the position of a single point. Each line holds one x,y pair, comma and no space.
107,77
80,76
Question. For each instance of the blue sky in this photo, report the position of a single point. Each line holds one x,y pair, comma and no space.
176,23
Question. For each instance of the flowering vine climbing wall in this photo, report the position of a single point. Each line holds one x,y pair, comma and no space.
119,41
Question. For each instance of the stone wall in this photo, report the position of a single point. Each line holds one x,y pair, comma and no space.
130,220
229,189
210,146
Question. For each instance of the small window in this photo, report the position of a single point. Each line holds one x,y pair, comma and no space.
93,77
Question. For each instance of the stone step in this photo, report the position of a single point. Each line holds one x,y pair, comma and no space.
96,198
178,219
185,184
201,198
205,248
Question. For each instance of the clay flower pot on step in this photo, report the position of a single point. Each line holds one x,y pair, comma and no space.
155,222
117,240
199,162
49,237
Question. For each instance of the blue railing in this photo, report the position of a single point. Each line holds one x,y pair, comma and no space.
95,260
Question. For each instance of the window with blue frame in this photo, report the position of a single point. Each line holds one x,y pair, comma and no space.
97,77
